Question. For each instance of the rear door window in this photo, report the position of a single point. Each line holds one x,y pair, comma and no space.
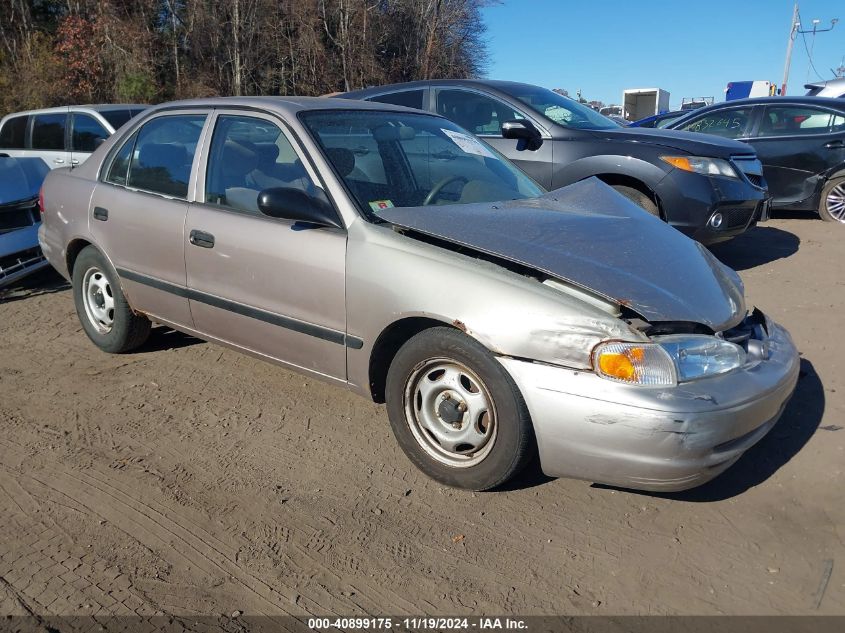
13,133
48,131
87,133
407,98
731,123
478,113
159,156
798,121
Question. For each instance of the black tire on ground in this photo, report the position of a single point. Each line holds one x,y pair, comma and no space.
128,330
824,204
639,198
513,444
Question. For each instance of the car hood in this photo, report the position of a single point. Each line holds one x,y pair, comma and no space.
693,143
20,178
590,236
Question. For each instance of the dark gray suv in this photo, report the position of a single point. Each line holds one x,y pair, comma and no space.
709,188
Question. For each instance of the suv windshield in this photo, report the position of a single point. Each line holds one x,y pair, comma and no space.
394,159
561,110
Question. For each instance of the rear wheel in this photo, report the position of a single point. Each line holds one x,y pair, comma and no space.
101,306
638,197
456,412
832,203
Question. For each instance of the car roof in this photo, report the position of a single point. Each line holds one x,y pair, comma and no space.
826,82
96,107
288,105
838,104
496,84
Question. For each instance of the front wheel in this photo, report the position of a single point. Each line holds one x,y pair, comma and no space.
456,412
638,197
102,308
832,203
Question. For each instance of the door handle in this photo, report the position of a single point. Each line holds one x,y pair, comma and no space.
59,161
101,214
835,145
74,161
201,239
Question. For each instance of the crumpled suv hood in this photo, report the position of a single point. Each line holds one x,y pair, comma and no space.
590,236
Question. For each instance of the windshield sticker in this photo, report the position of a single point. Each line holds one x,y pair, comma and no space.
378,205
468,144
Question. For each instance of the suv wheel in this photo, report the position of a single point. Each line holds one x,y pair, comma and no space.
638,197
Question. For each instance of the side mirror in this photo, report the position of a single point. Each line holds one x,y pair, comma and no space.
288,203
527,135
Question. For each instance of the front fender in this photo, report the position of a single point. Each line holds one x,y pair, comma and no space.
620,165
391,277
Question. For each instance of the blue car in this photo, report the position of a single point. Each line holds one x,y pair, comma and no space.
660,120
20,217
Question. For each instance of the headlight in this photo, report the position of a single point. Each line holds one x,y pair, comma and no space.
634,363
668,360
702,165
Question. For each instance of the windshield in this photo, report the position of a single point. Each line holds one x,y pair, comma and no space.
562,110
393,159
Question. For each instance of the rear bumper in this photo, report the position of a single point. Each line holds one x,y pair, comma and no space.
653,438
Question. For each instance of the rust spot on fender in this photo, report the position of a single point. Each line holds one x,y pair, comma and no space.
460,325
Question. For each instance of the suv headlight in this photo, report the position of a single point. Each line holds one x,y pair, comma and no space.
702,165
668,360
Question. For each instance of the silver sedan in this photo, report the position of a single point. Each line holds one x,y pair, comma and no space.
390,252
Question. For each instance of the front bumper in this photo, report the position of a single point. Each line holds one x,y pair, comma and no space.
689,201
664,438
20,254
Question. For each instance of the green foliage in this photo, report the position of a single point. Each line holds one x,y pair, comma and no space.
135,87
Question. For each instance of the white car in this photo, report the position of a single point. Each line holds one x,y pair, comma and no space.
833,88
63,136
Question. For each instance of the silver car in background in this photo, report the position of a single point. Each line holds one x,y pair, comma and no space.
389,251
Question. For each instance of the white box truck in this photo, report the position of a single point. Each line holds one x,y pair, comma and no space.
638,103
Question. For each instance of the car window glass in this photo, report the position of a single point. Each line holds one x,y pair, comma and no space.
475,112
164,152
248,155
407,98
728,123
119,168
13,133
838,123
117,118
795,120
48,131
87,132
393,159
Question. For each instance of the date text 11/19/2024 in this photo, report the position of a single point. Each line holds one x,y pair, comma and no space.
418,623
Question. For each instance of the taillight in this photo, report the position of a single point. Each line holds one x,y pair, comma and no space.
41,200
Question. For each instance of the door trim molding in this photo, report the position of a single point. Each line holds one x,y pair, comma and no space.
289,323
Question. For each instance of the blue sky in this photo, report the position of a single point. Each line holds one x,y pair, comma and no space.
690,48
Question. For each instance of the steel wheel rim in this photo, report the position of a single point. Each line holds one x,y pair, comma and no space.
98,299
450,412
835,203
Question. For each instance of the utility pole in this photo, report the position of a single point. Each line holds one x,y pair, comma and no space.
792,30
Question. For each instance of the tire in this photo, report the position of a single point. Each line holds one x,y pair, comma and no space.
478,447
832,202
101,306
639,198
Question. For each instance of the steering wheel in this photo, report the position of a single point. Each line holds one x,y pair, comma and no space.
438,188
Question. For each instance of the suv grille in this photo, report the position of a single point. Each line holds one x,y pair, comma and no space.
752,168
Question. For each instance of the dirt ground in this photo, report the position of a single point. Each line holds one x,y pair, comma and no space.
186,479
